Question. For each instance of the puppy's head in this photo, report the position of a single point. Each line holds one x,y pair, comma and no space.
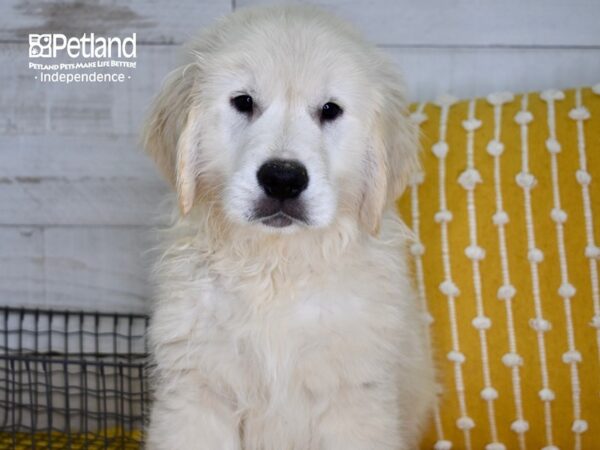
284,118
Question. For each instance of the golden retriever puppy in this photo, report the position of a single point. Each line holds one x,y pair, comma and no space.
284,316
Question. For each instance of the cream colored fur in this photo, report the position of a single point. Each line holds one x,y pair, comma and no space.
303,338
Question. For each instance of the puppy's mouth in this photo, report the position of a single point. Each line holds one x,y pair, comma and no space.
279,220
279,213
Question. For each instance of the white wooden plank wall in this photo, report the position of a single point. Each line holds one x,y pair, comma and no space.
76,193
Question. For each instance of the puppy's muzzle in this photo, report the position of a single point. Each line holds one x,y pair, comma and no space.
282,181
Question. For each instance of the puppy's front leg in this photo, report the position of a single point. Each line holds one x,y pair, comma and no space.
187,415
364,417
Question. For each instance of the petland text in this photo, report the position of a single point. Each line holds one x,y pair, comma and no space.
86,46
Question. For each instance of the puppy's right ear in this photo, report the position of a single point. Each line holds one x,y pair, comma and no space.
170,134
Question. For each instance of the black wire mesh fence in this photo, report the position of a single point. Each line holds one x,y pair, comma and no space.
71,380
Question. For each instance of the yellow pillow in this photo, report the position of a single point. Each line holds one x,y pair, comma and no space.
507,217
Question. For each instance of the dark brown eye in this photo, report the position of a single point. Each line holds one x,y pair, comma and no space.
330,112
243,103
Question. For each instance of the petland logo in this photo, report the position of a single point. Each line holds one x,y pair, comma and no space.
97,59
87,46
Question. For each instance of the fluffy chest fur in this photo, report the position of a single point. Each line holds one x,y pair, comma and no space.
283,322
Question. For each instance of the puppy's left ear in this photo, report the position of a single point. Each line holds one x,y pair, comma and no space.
393,155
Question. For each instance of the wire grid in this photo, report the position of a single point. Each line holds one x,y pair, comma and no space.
71,380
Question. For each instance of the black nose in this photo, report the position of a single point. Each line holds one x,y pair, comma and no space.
282,178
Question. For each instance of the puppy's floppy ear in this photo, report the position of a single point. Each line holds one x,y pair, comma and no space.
393,153
170,134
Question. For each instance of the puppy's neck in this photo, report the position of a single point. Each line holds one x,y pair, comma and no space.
230,249
263,266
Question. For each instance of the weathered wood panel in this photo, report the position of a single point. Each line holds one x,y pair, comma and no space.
21,266
71,180
84,201
30,106
69,154
477,72
103,267
154,21
462,22
72,156
469,22
93,268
